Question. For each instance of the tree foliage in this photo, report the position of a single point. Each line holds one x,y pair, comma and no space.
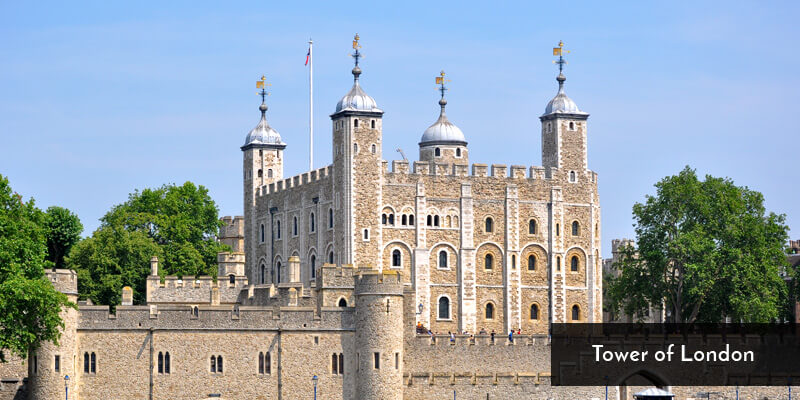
178,224
706,250
62,229
29,304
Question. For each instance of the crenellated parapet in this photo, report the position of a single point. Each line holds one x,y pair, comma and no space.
477,170
296,181
200,290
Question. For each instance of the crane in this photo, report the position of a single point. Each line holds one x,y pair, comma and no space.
399,150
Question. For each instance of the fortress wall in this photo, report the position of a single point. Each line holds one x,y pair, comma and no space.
193,291
13,378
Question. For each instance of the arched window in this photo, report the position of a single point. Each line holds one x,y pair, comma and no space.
269,173
160,362
489,311
213,366
384,219
267,363
558,263
355,122
391,219
458,152
335,364
437,152
576,313
449,221
195,311
396,258
435,220
532,227
260,173
294,226
342,302
573,264
443,259
411,219
404,220
166,363
232,279
531,262
576,228
374,148
262,233
278,229
355,147
313,264
430,220
330,257
330,218
489,225
571,125
572,176
341,356
444,308
219,364
366,234
86,363
93,364
558,229
313,222
263,274
260,363
488,262
534,311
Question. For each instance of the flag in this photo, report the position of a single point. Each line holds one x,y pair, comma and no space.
308,55
556,51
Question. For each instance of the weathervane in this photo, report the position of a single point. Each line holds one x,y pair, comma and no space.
356,54
441,81
262,84
559,51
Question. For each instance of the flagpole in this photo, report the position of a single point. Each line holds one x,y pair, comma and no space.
310,106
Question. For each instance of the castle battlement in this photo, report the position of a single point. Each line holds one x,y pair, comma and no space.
499,171
295,181
64,280
200,290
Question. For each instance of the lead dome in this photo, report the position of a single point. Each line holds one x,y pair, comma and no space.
443,131
263,134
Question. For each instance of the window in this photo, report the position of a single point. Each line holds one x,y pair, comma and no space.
232,279
166,363
195,312
576,228
263,273
558,230
396,258
404,220
342,302
377,357
278,228
534,311
571,126
489,311
391,219
458,152
267,360
313,222
216,364
35,365
163,363
330,218
330,257
435,220
341,364
384,219
262,233
260,173
366,234
513,261
85,363
335,364
430,220
532,227
531,262
313,264
355,123
93,363
488,261
558,263
355,147
411,219
572,176
278,268
437,152
374,148
57,363
573,264
260,363
444,308
448,222
294,226
373,124
489,225
269,173
576,313
396,360
443,259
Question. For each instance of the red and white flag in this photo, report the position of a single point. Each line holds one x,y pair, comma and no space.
308,55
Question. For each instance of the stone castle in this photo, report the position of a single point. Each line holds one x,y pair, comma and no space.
338,274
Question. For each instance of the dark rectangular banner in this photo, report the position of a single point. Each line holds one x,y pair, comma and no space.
675,354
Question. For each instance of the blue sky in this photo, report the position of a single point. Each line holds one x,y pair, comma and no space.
103,98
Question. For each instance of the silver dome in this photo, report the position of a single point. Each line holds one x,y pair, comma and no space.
443,131
356,99
561,103
263,133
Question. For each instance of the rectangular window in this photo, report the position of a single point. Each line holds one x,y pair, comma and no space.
35,365
57,363
377,360
396,360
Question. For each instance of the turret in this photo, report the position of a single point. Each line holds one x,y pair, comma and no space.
263,164
379,335
443,142
49,364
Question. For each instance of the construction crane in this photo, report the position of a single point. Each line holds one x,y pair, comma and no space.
399,150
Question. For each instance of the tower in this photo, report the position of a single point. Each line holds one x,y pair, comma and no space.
357,138
379,335
263,164
443,142
563,128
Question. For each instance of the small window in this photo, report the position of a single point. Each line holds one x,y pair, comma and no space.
437,152
341,364
166,363
444,308
263,274
355,147
534,311
576,228
489,225
571,126
355,123
489,311
35,365
278,268
262,233
374,148
558,230
213,366
330,257
313,222
396,360
294,226
435,220
260,173
558,263
342,302
572,176
404,220
264,363
269,173
443,259
531,262
219,364
260,363
532,227
261,153
195,312
86,363
313,265
57,363
576,313
160,362
330,218
573,264
513,261
396,258
430,220
93,365
458,152
391,219
335,364
488,261
373,125
232,279
366,234
384,219
278,228
411,219
377,358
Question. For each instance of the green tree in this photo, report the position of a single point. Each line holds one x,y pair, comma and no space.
706,250
62,229
179,224
29,304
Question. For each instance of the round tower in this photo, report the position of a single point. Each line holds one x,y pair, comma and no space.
49,364
379,335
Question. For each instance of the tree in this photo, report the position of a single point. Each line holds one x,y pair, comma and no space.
178,224
706,250
29,304
62,229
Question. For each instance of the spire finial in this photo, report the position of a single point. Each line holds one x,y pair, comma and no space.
356,55
440,80
262,84
559,51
